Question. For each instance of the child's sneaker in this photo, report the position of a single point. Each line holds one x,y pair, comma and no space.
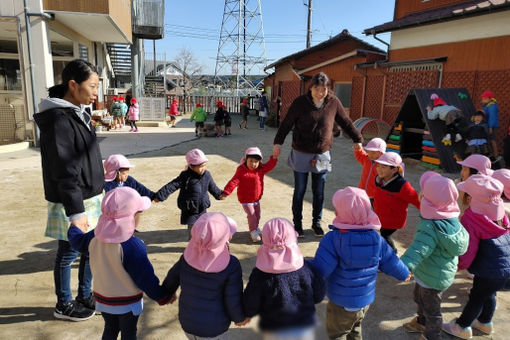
458,137
414,326
485,328
72,311
255,237
454,329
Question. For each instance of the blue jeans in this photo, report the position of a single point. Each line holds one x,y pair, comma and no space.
482,301
262,122
300,183
62,273
123,323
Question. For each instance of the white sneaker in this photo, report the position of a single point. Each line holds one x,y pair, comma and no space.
255,236
458,137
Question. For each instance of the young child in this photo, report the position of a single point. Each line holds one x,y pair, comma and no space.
117,175
117,113
472,165
210,279
503,175
433,255
366,157
283,289
121,270
173,112
477,135
133,115
227,120
349,257
124,109
195,183
451,116
244,112
218,118
249,178
490,107
199,116
487,256
392,195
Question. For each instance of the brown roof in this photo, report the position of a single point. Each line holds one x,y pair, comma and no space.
451,12
343,36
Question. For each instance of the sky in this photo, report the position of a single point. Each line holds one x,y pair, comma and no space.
196,25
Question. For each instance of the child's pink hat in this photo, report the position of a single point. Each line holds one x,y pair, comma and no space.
251,151
391,159
478,162
426,175
439,199
112,164
503,175
485,193
207,250
376,144
117,221
279,252
353,210
195,157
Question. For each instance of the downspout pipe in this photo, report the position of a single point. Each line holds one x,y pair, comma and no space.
380,40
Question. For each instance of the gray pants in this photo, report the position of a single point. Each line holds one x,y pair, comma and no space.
342,324
429,310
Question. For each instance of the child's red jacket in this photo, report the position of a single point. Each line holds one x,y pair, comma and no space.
391,201
368,172
249,183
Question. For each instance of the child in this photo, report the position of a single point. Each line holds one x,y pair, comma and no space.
349,257
366,157
117,113
283,289
249,178
210,279
472,165
490,107
244,112
487,256
133,115
451,116
263,110
117,175
503,175
477,135
124,109
218,118
227,120
120,267
173,112
199,115
195,182
432,257
392,195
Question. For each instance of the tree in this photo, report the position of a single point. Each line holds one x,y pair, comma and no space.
190,68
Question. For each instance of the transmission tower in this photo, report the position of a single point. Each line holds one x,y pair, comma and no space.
241,47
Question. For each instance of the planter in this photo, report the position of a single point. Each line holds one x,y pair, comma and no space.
99,128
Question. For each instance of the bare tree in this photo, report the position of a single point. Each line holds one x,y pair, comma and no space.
190,68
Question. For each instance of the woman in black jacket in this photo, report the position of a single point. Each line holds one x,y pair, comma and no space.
73,178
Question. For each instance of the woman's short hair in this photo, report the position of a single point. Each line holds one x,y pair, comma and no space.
319,79
78,70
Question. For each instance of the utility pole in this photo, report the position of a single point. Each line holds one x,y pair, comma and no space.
309,25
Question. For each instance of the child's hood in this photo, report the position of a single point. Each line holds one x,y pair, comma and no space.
45,116
451,236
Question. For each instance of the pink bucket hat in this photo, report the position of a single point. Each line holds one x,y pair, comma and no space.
195,157
117,221
439,200
425,177
207,250
112,164
353,210
279,252
503,175
478,162
485,193
376,144
251,151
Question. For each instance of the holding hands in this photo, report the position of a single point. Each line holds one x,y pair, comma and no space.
242,323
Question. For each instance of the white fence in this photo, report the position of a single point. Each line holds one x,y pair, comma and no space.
152,108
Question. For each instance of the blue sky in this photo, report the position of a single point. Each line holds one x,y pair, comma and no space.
196,24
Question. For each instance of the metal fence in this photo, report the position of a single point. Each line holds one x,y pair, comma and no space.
12,124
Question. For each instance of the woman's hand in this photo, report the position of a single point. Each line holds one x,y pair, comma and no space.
82,223
277,149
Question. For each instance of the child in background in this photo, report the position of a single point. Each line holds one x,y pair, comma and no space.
227,120
117,113
490,107
199,116
264,110
503,175
218,118
117,175
451,116
195,183
249,180
349,257
472,165
124,109
210,279
133,115
477,135
392,195
244,112
121,270
283,289
173,112
433,255
487,256
366,157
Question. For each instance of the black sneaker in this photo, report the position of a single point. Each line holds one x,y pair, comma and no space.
72,311
300,231
89,302
317,229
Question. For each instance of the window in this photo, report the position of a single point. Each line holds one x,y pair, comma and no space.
61,46
58,67
83,51
8,46
10,75
343,92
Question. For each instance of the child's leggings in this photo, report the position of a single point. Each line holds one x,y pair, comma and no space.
386,234
123,323
133,124
253,214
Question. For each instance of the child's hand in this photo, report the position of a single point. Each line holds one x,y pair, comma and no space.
167,299
357,147
409,277
222,197
242,323
156,200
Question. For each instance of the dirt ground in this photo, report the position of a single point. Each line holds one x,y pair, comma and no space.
26,256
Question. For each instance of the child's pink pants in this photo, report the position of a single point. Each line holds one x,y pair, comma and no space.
253,214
